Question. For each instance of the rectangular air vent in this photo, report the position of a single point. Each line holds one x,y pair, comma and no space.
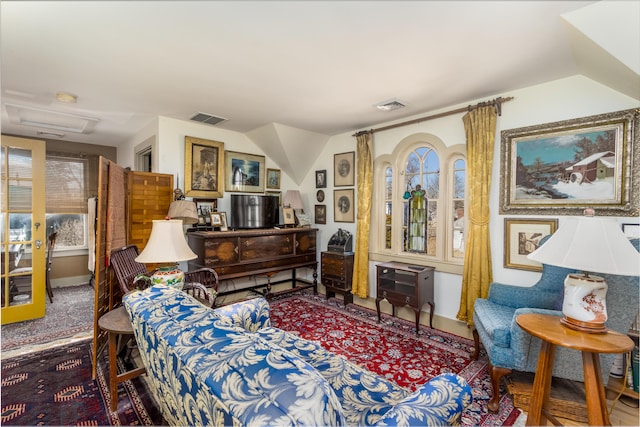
392,104
207,118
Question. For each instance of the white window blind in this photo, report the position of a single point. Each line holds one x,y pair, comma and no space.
67,182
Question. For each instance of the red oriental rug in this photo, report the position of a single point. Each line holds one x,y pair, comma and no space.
393,349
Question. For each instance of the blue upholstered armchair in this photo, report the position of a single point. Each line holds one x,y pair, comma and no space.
510,348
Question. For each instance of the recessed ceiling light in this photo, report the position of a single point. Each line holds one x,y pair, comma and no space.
66,97
390,105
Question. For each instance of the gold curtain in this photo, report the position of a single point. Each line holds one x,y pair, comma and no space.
480,130
360,283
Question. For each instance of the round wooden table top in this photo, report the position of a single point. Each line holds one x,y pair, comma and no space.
548,328
117,321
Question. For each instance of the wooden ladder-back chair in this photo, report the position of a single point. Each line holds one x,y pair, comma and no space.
201,284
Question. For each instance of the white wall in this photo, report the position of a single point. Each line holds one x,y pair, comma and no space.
563,99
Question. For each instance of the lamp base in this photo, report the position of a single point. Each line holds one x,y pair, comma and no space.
169,275
585,306
588,327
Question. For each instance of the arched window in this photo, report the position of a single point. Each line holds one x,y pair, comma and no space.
421,187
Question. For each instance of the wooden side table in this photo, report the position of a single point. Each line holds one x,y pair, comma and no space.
552,333
117,322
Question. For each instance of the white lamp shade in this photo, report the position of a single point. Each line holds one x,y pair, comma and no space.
166,244
590,244
293,199
184,210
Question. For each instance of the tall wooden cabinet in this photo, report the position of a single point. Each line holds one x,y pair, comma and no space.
405,285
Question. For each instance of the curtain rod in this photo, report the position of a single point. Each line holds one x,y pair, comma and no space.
496,102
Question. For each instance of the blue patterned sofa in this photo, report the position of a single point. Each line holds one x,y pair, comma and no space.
228,366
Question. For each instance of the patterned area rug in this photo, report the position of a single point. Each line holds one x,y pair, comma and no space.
55,387
69,315
392,348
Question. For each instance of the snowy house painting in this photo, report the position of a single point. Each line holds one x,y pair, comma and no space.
597,166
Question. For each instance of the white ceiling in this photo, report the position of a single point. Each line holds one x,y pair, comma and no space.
315,66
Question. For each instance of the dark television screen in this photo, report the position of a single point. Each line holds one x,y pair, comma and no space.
253,211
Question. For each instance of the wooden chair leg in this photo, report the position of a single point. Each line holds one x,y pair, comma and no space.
476,344
496,375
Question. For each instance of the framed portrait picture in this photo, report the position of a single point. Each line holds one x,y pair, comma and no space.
521,237
343,210
320,215
216,219
223,222
273,178
244,172
320,196
343,169
204,207
288,216
564,167
321,179
203,167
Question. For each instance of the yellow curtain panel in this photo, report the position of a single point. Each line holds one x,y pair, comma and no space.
364,163
480,130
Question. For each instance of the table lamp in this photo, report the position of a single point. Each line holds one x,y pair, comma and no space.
589,244
184,210
167,246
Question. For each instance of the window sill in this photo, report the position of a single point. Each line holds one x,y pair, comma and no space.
440,266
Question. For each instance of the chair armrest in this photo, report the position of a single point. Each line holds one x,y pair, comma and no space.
522,296
201,293
438,402
521,339
207,276
251,315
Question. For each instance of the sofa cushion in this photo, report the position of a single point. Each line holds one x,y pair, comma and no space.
495,320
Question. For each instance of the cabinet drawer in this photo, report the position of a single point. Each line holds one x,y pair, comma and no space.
255,248
397,298
220,251
336,284
333,268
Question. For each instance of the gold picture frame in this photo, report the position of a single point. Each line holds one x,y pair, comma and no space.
273,178
244,172
521,237
203,167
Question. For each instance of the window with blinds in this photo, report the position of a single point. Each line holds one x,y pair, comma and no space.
66,200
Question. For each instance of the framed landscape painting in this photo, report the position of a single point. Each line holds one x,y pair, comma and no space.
244,172
564,167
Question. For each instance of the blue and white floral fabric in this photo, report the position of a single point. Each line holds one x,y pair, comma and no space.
228,366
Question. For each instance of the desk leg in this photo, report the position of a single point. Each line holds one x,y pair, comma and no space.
594,388
541,384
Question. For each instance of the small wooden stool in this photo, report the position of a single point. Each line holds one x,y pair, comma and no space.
116,322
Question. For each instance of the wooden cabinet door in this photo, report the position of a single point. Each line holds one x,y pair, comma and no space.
305,242
254,248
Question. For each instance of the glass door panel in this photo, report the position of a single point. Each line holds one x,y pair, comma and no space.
23,233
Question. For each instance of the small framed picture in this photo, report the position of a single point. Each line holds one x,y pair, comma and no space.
288,216
223,222
320,216
343,169
216,219
521,237
273,178
343,210
632,231
321,179
320,196
205,207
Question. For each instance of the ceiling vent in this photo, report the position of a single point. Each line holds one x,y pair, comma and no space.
392,104
41,118
207,118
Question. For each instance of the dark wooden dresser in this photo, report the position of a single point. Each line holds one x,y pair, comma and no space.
405,285
336,271
264,252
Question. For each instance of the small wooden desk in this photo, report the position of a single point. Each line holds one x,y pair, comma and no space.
549,329
116,322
